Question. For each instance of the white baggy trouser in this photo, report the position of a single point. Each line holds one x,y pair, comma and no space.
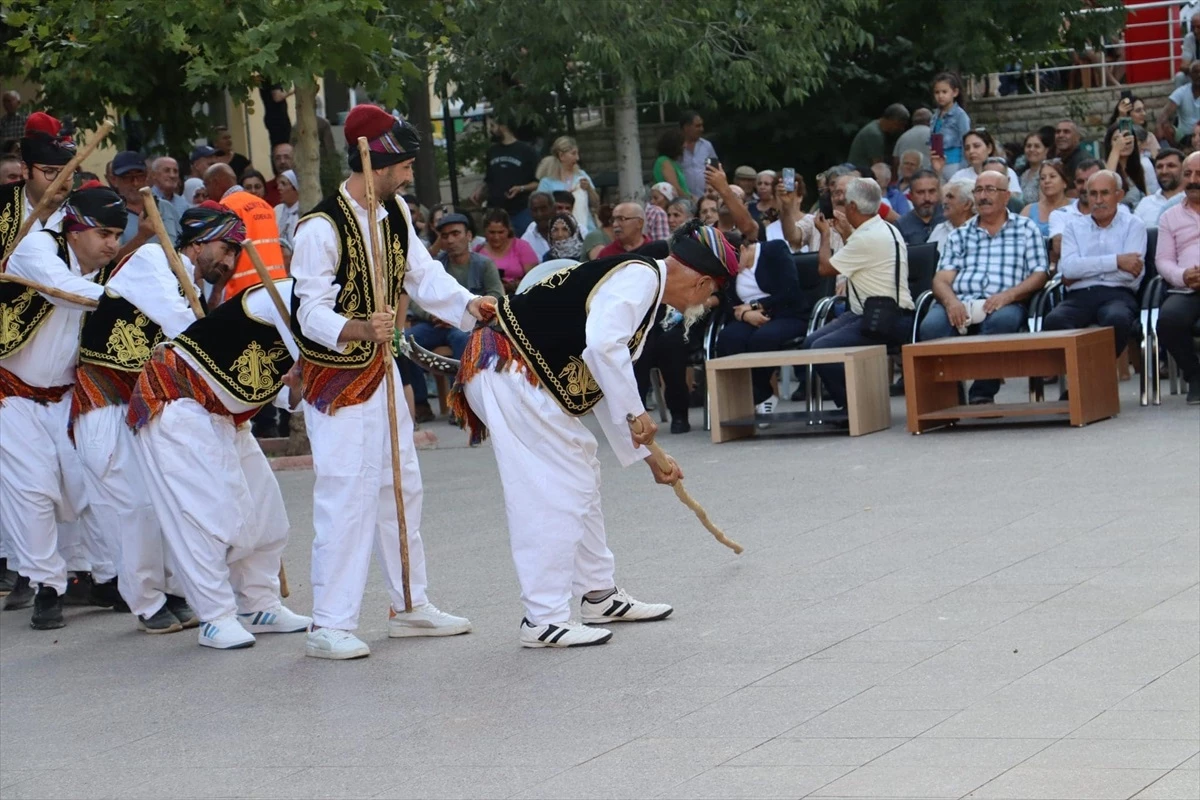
219,507
551,479
354,508
118,500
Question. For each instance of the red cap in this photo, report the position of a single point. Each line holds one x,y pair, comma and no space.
369,121
41,122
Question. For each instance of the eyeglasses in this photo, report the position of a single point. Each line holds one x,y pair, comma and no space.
624,219
1052,161
990,191
50,172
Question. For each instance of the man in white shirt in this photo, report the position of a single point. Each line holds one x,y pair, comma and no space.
1168,168
40,475
537,234
565,347
696,150
1059,217
1102,263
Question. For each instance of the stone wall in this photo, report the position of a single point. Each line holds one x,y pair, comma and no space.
1010,118
598,153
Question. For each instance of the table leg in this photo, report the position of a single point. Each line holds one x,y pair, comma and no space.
1092,375
730,397
923,392
868,403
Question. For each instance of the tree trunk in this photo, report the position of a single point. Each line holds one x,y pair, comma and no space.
308,170
425,173
629,148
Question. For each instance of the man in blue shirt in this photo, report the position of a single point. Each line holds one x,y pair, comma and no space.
926,213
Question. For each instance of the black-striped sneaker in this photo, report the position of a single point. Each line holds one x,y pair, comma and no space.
618,606
561,634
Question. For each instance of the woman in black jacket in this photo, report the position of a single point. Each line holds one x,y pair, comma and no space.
765,304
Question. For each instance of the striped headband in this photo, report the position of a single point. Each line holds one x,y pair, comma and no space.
210,222
94,207
706,250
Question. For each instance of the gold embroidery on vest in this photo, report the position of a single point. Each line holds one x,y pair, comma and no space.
128,343
8,224
256,367
10,317
578,379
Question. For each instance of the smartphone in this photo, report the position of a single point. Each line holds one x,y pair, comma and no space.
1125,124
712,162
1126,94
937,144
826,204
789,179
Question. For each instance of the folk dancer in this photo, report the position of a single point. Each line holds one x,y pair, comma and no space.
563,348
345,408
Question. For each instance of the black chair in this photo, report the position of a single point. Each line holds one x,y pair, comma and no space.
1153,295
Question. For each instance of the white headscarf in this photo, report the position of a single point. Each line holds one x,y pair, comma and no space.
665,189
291,176
190,187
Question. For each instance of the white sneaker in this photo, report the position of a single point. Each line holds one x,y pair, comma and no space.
275,620
224,633
561,634
766,407
620,607
425,620
334,644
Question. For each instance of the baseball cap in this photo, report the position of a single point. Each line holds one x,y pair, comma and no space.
203,151
128,161
454,219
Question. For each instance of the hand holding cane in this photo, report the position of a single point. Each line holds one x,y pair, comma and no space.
664,464
49,291
160,230
380,287
64,175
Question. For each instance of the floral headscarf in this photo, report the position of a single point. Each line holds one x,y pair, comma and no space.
572,246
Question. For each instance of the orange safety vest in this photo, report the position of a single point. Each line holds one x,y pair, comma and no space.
260,229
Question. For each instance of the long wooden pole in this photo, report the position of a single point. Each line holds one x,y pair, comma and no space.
160,230
49,291
66,174
385,353
664,464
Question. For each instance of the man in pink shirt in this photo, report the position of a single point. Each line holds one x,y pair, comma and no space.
1178,261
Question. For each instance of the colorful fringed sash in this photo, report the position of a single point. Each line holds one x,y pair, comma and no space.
99,387
329,388
487,349
168,377
12,386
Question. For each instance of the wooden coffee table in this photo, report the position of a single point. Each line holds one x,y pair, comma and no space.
1087,357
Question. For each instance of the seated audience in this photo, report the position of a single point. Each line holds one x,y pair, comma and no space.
657,226
874,263
1053,195
255,183
513,257
891,192
537,235
745,178
680,211
978,147
926,213
988,270
801,234
1123,158
1177,259
732,213
1182,111
911,163
762,205
1189,51
565,241
958,206
1103,258
595,241
1037,147
627,221
709,211
1076,208
1168,168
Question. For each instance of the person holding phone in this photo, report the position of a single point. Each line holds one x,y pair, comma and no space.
1120,146
950,124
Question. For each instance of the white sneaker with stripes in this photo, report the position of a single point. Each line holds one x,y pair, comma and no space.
561,634
620,607
425,620
225,633
279,619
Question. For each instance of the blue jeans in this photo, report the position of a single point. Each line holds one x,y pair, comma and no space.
845,331
742,337
430,336
1008,319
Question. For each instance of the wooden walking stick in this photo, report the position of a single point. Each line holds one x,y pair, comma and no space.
66,174
49,291
658,455
379,281
273,291
160,230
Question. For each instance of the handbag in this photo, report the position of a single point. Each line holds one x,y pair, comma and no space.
882,316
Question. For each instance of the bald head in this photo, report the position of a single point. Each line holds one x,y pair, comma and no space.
1191,178
164,175
219,179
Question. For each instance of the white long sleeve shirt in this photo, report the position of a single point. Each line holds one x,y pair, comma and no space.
1089,252
314,268
617,309
146,281
53,222
49,357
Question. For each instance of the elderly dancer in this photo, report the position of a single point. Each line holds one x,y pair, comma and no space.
212,489
142,305
40,475
563,348
345,409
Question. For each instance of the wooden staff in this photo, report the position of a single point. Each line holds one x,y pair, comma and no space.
160,230
66,174
385,353
664,464
49,291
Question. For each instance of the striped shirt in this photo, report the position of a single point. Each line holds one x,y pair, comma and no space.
986,264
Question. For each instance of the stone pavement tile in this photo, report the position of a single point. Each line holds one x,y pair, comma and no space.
782,752
863,650
641,768
1116,754
11,777
1180,784
701,670
209,781
68,784
1191,763
943,620
999,754
1184,606
983,592
1141,725
1031,711
990,659
1030,783
466,783
857,723
812,673
1175,691
754,712
906,781
952,696
754,783
334,783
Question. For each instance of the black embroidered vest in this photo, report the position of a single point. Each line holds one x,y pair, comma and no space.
547,325
356,300
244,354
116,334
12,212
22,310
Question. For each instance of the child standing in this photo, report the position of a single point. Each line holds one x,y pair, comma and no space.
950,123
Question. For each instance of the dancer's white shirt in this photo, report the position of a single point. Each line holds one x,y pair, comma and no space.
146,280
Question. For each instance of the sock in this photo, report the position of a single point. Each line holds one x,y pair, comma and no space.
599,595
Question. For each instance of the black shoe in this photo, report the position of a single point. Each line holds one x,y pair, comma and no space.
1193,395
21,595
680,426
182,611
47,610
162,621
8,578
424,413
982,401
1064,395
107,595
79,589
897,389
799,395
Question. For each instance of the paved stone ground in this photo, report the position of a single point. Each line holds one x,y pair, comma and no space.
986,613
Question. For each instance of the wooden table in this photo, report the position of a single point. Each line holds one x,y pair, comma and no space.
731,399
932,371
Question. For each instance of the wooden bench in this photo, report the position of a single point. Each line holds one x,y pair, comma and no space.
932,371
731,399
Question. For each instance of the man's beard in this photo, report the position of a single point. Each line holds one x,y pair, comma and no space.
692,315
1168,184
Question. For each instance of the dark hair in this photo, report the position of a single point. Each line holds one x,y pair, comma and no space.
985,137
253,173
604,214
953,80
1089,163
670,144
1047,139
546,195
897,112
499,216
1131,170
688,117
922,174
1168,151
1055,164
564,197
1116,113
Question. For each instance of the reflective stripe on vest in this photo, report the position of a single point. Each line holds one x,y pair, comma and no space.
264,232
